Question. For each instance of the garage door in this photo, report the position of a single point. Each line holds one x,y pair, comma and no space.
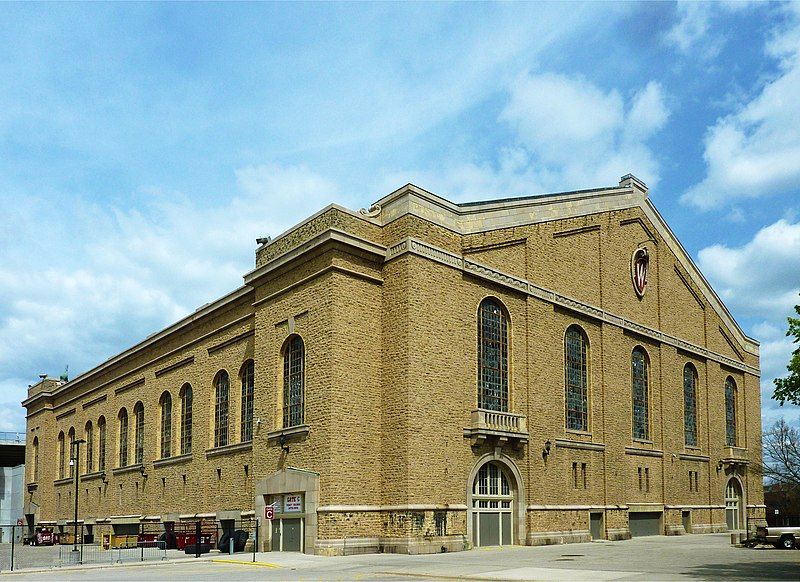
645,523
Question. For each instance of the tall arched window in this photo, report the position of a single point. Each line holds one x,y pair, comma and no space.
293,382
123,438
166,425
221,402
576,377
186,419
641,405
62,456
138,415
248,385
492,356
71,439
101,443
35,459
690,405
89,432
730,412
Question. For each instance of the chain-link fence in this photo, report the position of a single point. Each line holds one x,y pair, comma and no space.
50,547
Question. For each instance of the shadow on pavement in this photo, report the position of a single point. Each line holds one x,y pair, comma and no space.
746,571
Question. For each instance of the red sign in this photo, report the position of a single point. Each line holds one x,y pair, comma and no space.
639,267
20,521
269,512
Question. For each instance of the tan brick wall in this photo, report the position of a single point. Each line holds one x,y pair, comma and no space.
390,384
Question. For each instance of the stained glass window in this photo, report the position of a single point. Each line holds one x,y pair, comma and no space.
293,382
101,443
123,438
221,409
248,386
166,425
690,405
186,419
492,357
89,446
641,411
730,412
61,456
138,414
577,379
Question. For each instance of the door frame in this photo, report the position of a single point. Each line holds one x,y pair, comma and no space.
516,485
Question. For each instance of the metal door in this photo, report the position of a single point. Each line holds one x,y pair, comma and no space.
646,523
596,525
292,535
687,521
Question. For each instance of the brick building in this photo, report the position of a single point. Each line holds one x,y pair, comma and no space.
425,375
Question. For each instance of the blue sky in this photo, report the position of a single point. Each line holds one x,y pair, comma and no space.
144,147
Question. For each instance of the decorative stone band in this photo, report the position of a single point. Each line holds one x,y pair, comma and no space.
694,507
423,249
408,507
574,507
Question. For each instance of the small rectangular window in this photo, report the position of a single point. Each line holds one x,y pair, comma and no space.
440,521
583,474
647,478
574,475
640,478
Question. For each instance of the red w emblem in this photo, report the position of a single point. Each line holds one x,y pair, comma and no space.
639,264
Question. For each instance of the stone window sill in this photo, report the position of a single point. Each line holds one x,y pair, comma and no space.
172,460
297,433
64,481
229,449
93,475
129,469
650,452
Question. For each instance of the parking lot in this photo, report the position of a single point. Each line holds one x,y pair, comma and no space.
701,557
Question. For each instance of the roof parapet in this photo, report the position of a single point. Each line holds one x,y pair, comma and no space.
631,181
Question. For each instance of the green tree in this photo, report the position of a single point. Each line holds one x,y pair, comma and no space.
788,389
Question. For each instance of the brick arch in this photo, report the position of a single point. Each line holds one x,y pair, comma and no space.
517,485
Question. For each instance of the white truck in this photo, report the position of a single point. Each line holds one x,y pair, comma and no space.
780,536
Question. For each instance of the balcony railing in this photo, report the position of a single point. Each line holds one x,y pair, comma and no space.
501,426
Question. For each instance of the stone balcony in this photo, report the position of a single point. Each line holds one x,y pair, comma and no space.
497,427
734,457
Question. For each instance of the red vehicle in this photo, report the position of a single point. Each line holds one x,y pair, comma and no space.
44,536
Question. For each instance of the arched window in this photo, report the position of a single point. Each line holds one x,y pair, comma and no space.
690,405
62,456
293,382
71,439
248,385
166,425
101,443
730,412
576,376
186,419
492,500
221,402
89,431
35,459
641,406
123,438
492,356
138,415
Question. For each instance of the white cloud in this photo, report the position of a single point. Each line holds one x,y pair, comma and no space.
755,151
691,33
760,278
570,134
108,277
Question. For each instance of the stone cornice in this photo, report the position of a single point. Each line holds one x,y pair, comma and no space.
423,249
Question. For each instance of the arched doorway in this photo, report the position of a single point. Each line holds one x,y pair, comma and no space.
492,507
734,516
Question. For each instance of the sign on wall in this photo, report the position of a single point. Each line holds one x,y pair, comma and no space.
269,512
293,503
640,263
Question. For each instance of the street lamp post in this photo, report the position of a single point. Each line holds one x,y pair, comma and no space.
74,461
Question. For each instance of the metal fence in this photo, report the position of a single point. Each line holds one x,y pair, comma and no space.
153,541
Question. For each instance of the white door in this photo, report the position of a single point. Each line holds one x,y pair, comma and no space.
492,503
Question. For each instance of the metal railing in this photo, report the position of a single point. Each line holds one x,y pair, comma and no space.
12,437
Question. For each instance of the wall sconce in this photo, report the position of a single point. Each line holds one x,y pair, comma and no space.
142,471
719,466
282,442
547,446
